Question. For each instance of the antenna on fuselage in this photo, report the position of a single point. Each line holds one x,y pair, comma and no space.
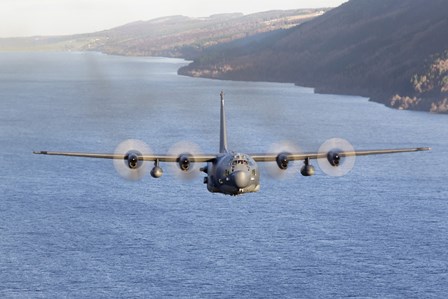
223,135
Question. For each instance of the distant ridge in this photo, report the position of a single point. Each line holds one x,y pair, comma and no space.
395,52
172,36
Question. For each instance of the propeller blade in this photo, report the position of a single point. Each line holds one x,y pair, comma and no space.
293,167
335,163
131,148
185,169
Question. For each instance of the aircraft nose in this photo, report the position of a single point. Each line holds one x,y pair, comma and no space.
241,179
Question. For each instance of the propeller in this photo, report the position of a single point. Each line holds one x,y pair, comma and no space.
283,168
335,163
185,168
131,167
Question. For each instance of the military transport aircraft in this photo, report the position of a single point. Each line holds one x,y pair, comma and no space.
230,172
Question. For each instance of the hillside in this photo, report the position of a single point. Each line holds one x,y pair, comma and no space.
175,36
391,51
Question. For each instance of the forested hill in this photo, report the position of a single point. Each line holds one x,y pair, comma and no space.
395,52
174,36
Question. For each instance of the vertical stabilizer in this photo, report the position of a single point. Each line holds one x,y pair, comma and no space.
223,136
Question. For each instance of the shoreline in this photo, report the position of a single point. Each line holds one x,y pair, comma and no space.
390,100
394,102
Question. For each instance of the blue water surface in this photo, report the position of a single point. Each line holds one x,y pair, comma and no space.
71,227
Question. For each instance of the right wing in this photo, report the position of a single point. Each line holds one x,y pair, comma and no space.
160,158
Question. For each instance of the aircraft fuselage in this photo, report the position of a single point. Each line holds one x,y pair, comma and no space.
232,173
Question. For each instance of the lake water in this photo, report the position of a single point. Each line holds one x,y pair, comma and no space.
72,227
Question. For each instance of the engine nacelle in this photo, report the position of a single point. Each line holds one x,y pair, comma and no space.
282,161
184,163
133,159
334,158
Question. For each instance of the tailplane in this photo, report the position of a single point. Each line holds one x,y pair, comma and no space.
223,135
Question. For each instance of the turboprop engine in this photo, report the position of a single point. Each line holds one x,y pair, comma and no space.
184,162
334,158
132,158
282,161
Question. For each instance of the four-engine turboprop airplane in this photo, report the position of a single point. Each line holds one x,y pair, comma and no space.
231,172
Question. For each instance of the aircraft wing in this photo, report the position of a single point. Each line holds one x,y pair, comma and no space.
160,158
323,155
257,157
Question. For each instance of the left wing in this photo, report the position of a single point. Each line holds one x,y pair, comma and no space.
323,155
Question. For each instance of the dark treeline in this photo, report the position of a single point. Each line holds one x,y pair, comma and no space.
391,51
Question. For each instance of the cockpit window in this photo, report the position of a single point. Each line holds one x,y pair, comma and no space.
239,162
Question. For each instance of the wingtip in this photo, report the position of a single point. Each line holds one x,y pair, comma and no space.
424,149
39,152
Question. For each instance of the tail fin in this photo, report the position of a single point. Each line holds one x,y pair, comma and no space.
223,136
